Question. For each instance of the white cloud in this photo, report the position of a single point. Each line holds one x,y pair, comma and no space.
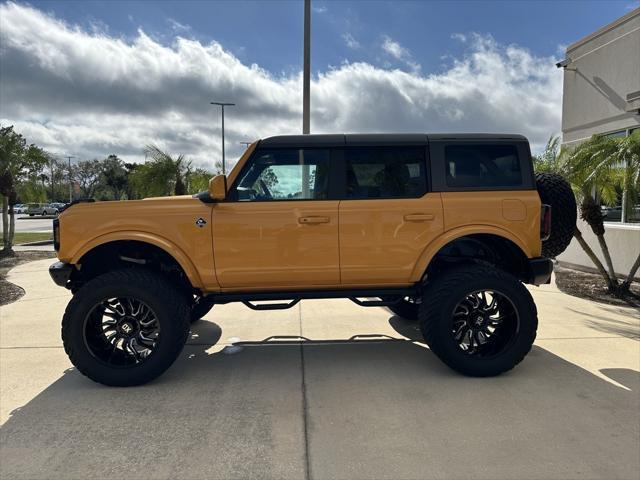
351,42
319,9
90,94
397,51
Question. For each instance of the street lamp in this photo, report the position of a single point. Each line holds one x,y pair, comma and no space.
246,144
223,104
306,69
70,194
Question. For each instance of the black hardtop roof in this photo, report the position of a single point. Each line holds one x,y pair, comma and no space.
327,140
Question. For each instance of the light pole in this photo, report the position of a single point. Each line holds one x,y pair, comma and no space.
70,194
223,104
306,70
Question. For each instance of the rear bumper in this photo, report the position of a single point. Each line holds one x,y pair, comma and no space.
61,273
540,270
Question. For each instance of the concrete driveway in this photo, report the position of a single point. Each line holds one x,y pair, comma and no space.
361,398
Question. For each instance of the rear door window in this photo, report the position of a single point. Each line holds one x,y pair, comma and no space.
482,166
385,172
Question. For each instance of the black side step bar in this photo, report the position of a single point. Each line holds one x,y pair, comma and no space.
386,296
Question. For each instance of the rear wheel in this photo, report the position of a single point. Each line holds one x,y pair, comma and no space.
125,327
478,320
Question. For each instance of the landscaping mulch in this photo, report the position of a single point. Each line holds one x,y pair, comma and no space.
9,292
592,287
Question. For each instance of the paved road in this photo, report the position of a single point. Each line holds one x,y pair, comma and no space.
343,404
25,223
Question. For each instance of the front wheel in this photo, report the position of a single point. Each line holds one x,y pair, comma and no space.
125,327
479,320
199,309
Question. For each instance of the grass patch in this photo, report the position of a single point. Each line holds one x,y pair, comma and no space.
26,237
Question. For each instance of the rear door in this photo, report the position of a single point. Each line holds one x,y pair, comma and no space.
278,228
387,215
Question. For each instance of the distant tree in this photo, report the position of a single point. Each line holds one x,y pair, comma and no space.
197,180
17,162
161,175
114,176
548,160
86,173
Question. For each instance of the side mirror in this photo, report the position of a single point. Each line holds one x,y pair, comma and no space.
218,188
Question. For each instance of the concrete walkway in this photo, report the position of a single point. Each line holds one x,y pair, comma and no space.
363,398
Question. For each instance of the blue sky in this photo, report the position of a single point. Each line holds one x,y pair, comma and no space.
93,78
269,32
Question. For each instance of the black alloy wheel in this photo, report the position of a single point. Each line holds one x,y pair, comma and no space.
121,331
484,323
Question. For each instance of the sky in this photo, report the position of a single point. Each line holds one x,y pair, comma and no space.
91,78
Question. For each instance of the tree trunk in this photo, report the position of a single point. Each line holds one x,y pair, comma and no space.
596,261
627,283
12,226
607,258
5,224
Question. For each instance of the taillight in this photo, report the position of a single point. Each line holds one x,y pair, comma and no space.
545,222
56,234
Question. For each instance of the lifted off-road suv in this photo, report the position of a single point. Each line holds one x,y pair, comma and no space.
442,229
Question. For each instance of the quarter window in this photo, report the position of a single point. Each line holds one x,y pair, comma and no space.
482,166
285,174
385,172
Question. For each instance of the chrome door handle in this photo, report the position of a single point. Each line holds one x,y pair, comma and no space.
419,217
307,220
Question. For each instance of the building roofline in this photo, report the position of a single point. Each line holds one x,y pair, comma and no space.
607,28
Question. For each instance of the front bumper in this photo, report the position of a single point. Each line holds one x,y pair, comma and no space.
540,270
61,273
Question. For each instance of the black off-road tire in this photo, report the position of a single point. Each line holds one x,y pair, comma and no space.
199,310
556,191
436,318
405,309
162,297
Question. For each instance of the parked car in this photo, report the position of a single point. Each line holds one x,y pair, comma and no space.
42,209
19,208
444,230
614,214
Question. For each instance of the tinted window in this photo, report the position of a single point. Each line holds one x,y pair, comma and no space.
385,172
482,166
285,174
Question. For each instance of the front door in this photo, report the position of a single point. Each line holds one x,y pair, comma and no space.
387,218
278,229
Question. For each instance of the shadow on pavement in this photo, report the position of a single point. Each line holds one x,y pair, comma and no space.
372,407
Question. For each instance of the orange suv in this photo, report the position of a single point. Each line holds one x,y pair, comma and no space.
441,229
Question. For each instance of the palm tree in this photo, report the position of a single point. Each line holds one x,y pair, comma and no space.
597,169
162,174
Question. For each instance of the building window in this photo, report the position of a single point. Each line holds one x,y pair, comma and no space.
616,213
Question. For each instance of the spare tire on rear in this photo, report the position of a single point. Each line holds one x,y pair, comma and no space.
556,192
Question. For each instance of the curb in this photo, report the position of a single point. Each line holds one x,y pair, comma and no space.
34,244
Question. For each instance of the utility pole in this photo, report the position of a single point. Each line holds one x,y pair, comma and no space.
223,104
306,70
70,189
51,163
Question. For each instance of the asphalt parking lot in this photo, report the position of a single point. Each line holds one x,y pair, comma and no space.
324,390
25,223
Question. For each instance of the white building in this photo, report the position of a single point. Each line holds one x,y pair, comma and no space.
601,95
